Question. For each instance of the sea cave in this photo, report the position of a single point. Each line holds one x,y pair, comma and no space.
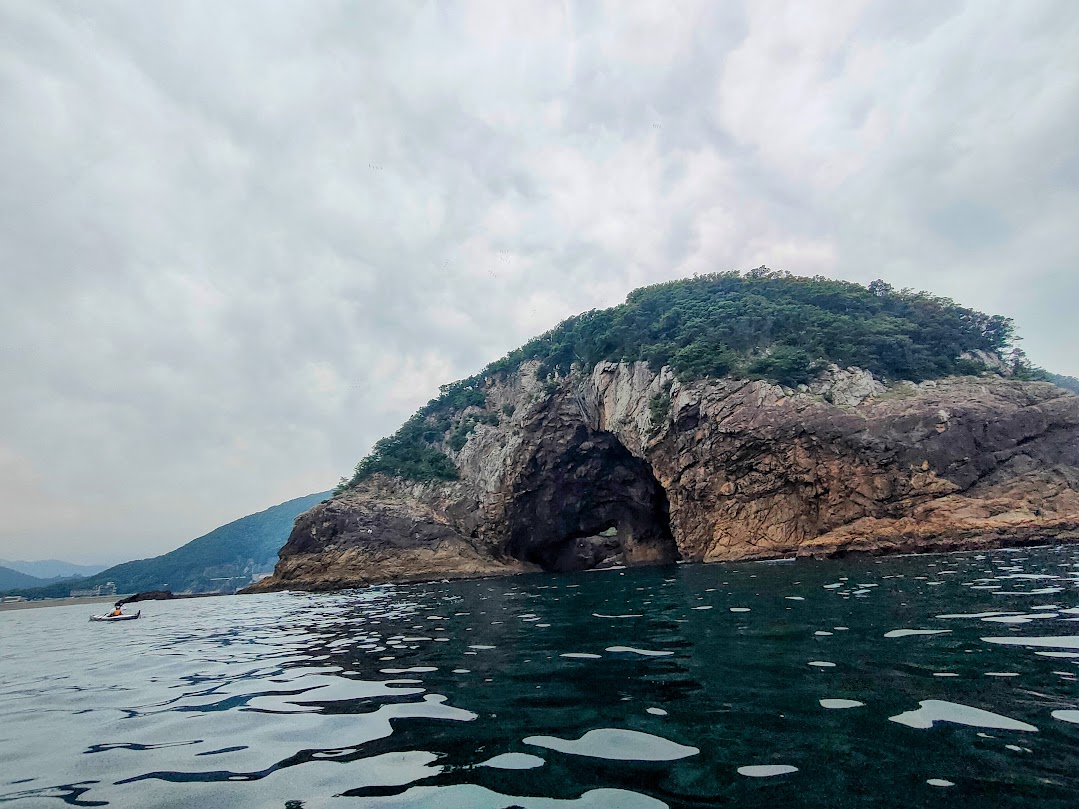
585,501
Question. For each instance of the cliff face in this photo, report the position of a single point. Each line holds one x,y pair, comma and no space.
626,465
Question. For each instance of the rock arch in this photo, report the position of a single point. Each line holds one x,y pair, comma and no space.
583,500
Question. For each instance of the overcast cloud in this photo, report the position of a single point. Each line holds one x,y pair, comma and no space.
241,241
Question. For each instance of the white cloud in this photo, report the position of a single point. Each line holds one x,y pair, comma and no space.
241,242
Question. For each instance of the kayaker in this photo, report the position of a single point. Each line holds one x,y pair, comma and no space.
116,612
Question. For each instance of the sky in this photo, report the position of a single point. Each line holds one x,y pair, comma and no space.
241,241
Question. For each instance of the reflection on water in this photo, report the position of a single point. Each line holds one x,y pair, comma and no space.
894,682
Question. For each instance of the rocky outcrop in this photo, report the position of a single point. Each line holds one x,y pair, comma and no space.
625,465
989,360
845,387
380,531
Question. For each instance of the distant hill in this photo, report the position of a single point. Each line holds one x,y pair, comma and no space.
225,559
1066,382
52,568
10,579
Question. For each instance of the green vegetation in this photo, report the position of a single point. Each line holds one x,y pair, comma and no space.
785,364
411,453
659,408
773,326
223,559
408,452
465,426
1066,382
760,325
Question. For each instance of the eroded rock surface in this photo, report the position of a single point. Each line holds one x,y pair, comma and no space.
713,470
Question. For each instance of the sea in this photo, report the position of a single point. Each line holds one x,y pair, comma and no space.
932,680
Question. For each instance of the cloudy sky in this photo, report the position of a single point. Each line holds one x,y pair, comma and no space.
241,241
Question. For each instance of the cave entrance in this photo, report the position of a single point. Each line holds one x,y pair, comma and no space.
589,503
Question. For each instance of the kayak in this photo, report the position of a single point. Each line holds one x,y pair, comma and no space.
116,617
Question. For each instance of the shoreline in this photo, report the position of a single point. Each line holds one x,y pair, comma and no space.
935,547
60,602
70,601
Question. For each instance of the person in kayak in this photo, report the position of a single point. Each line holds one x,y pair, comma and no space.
116,612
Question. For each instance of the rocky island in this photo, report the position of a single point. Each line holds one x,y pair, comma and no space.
724,417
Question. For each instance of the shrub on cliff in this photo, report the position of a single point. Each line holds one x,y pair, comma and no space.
406,454
786,365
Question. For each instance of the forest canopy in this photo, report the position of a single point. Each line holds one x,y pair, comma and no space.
761,324
774,326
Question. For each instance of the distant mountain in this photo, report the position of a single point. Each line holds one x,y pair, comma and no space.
10,579
1066,382
224,560
52,568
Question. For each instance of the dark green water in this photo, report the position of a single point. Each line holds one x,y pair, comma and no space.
301,700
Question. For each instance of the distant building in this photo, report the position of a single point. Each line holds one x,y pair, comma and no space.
106,589
10,599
